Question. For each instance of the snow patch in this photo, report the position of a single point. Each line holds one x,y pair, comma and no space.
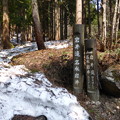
25,93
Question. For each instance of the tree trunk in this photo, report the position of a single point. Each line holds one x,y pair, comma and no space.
37,25
17,32
6,34
114,20
1,35
117,23
23,38
51,20
57,21
104,24
78,11
84,18
30,33
54,20
61,22
0,25
65,23
89,19
98,21
110,7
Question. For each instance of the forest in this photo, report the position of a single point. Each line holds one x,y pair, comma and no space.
57,18
38,60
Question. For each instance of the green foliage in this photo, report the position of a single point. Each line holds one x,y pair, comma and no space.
8,45
117,51
46,66
20,13
93,14
11,45
70,6
34,70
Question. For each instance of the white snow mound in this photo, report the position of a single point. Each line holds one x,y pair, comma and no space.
25,93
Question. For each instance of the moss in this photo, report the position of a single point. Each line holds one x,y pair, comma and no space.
8,45
116,75
51,54
6,66
34,70
11,45
101,55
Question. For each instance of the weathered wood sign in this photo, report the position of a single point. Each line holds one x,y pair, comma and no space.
78,55
91,69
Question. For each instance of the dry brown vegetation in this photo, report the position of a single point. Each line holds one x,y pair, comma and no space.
57,65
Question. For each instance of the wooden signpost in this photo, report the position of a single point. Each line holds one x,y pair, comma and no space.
78,54
91,69
91,64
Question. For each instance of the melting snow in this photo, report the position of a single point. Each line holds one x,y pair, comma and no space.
25,93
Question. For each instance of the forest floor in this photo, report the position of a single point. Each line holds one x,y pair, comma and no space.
57,65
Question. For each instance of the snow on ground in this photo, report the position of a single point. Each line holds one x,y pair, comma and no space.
25,93
58,44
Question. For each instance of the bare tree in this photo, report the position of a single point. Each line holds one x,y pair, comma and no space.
37,25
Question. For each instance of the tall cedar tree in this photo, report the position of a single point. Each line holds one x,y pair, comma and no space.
37,26
6,36
57,20
114,23
78,11
104,24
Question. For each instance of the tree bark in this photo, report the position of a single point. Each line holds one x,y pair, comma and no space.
30,33
89,18
114,20
23,38
17,32
104,24
98,21
117,23
6,34
110,7
78,11
51,19
57,21
61,22
65,24
37,25
84,17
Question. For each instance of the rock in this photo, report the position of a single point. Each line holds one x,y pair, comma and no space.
25,117
110,81
42,117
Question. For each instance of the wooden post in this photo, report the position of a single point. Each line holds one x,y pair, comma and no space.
91,69
78,55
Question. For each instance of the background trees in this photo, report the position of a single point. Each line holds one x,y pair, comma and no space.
78,11
57,17
37,25
6,35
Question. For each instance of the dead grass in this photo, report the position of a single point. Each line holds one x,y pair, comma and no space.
57,65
